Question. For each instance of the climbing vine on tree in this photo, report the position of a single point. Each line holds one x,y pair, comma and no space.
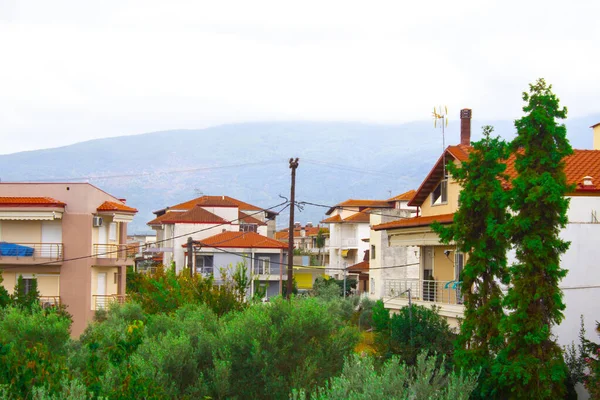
531,364
480,230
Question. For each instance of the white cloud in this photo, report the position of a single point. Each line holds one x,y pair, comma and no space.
74,71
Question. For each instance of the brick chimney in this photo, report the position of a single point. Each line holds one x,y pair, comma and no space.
596,129
465,126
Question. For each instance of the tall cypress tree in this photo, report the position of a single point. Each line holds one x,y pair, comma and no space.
480,230
531,364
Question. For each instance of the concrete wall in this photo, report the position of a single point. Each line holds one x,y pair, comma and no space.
449,207
387,256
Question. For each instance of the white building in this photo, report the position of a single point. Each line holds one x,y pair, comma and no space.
204,217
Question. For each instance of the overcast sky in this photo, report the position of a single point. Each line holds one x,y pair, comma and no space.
77,70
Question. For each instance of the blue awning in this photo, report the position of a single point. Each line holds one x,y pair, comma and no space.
15,250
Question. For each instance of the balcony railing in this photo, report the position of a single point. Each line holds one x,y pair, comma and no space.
446,292
49,301
33,251
345,243
102,301
118,251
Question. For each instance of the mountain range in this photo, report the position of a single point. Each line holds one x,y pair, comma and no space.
249,161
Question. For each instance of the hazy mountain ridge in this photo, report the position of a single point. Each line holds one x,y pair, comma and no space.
338,160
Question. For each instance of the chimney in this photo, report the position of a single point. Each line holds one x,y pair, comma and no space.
297,225
596,129
309,225
465,126
588,181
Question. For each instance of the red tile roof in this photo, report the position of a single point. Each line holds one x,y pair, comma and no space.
406,196
215,201
362,204
579,164
334,219
415,222
242,240
30,202
247,219
196,215
361,267
112,206
358,217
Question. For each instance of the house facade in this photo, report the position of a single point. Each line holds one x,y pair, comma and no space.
264,258
204,217
70,237
440,265
305,240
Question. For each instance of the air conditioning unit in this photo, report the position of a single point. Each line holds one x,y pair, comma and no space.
97,221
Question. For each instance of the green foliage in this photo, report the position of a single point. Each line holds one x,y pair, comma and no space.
33,350
29,299
361,380
532,361
381,317
592,361
272,347
4,296
326,289
294,287
412,330
480,230
167,291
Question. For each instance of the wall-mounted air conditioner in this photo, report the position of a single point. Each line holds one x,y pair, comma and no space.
97,221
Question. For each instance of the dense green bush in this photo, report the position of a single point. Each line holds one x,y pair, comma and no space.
33,350
361,380
412,330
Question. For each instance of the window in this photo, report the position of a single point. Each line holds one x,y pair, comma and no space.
204,264
112,231
440,193
248,228
262,266
372,252
27,284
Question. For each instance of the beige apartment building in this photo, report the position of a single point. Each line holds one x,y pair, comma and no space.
72,238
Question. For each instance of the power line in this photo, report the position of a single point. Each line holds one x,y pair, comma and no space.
159,241
175,171
308,203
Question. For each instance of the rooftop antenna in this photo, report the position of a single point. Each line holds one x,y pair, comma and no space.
441,116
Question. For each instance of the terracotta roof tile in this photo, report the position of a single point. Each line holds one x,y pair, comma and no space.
30,202
242,240
415,222
361,267
358,217
196,215
360,203
334,219
406,196
112,206
247,219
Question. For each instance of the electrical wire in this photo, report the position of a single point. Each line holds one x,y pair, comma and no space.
308,203
286,203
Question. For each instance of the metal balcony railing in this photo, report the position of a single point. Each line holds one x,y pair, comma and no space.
446,292
51,251
102,301
49,301
117,251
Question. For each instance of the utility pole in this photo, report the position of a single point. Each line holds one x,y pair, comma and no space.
190,256
290,271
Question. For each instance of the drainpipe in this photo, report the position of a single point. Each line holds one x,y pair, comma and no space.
251,274
281,272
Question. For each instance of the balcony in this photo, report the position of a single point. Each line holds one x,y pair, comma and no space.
108,254
103,301
49,301
348,243
27,253
429,291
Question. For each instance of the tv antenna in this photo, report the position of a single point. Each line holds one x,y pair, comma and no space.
440,116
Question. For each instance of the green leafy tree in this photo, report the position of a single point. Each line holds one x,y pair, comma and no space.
26,297
4,296
480,230
320,242
531,364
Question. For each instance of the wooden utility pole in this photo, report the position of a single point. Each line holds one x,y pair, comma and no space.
190,256
290,271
